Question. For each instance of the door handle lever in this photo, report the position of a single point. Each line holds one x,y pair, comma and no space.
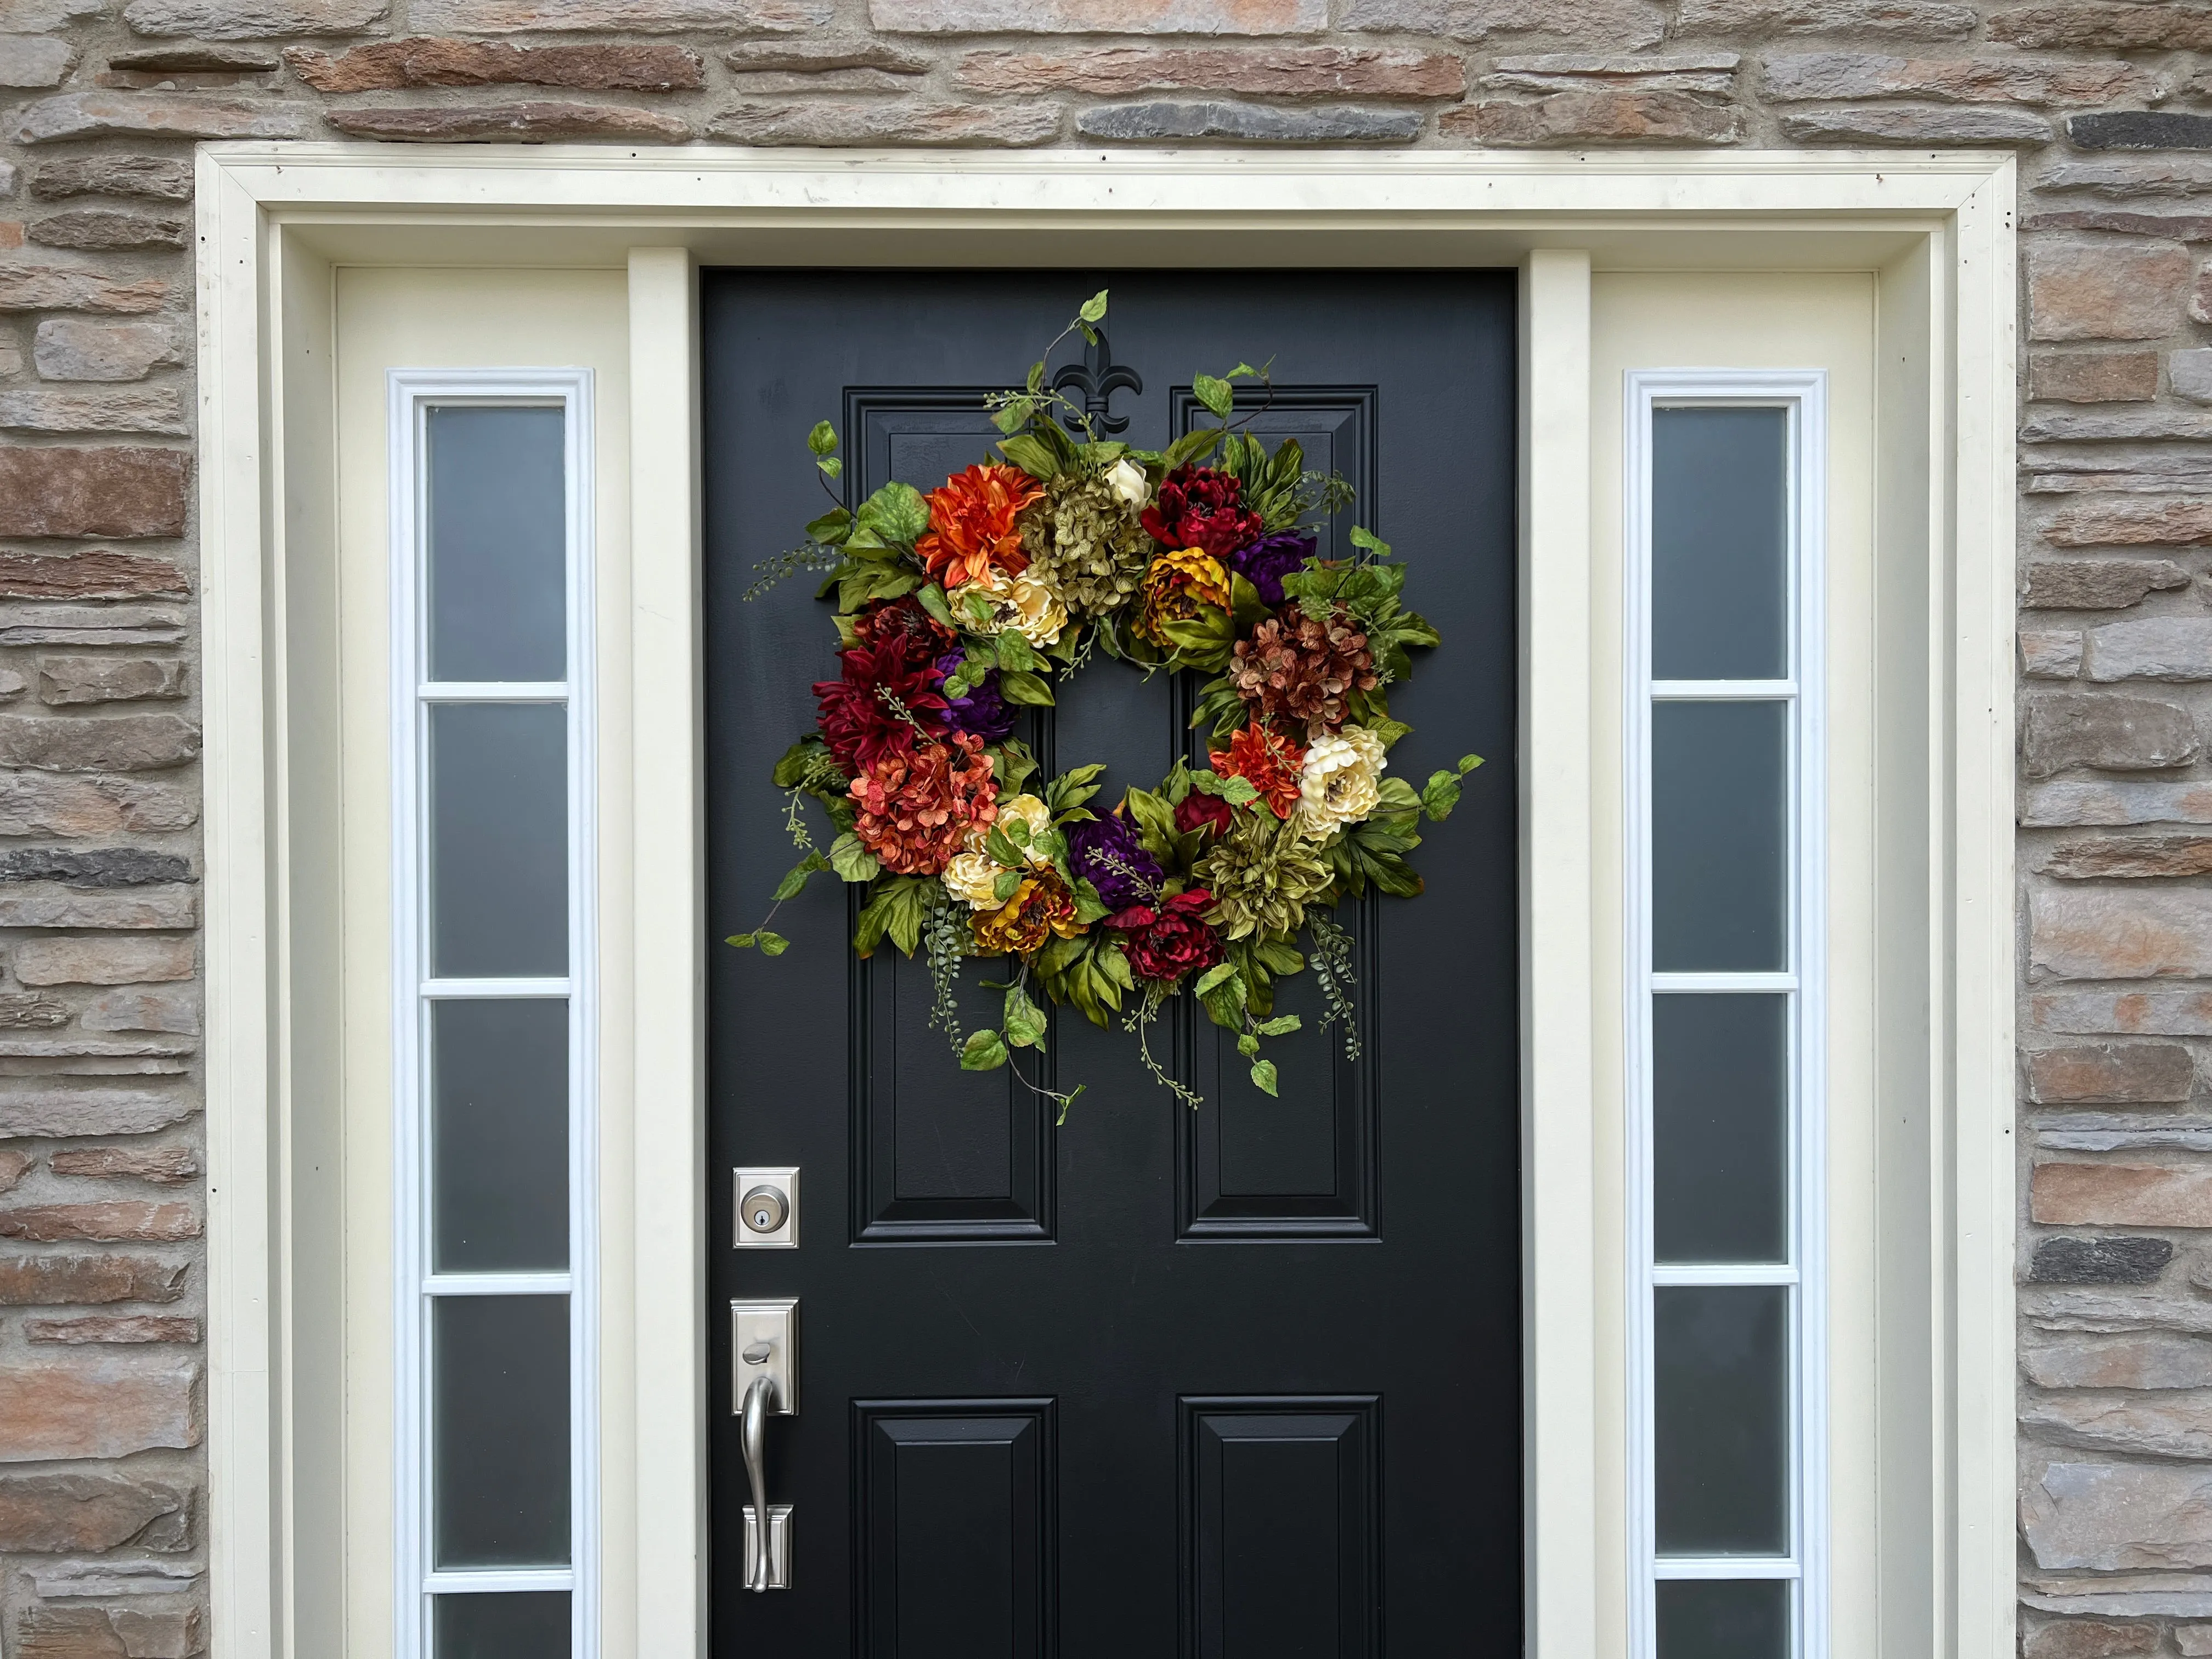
760,1563
763,1335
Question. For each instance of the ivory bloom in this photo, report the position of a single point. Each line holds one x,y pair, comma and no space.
1129,483
974,877
1032,813
1340,782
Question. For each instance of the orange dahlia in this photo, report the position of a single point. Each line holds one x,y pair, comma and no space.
971,524
1176,585
917,805
1266,760
1040,907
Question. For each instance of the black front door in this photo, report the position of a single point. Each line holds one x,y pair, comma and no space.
1240,1381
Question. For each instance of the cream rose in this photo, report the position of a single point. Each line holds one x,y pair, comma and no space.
974,877
1340,780
1128,480
1034,814
1033,610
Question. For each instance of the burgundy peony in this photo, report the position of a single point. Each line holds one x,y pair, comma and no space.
1203,509
1267,560
1197,808
1170,941
982,709
1108,854
921,638
861,718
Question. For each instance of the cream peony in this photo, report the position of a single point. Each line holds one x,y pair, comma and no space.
1033,610
1129,483
974,877
1339,783
1032,813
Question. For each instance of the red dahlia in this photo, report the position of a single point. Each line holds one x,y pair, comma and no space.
883,703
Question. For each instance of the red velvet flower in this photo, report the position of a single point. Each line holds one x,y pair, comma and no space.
884,703
1201,507
1266,760
921,637
972,532
916,807
1167,943
1199,808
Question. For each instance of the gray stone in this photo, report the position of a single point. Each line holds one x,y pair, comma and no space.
2175,176
1099,16
49,1114
78,349
2136,1013
140,1009
824,52
104,959
905,122
167,115
2103,1261
255,20
101,867
2111,1073
194,59
139,408
2189,373
153,908
2140,129
2106,801
115,743
2096,584
535,121
2177,648
2066,729
160,178
2177,1425
2154,1360
636,17
2102,1313
1597,114
2051,653
1888,124
1215,118
40,16
2110,1517
99,229
90,624
2122,1132
2121,426
2108,858
2104,934
36,804
1916,19
2164,1597
1843,74
98,1580
1624,24
66,680
20,1010
29,286
30,60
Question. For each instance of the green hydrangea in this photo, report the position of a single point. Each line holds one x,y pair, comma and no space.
1262,874
1086,542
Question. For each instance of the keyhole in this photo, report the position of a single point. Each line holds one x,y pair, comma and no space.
765,1209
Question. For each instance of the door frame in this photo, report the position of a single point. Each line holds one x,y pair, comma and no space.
275,220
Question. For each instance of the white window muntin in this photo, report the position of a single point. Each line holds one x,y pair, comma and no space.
413,394
1802,395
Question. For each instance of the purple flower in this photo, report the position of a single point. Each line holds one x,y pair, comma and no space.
982,710
1267,560
1106,852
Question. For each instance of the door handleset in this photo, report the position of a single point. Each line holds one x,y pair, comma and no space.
764,1383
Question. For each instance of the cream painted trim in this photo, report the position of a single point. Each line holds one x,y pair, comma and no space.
1938,224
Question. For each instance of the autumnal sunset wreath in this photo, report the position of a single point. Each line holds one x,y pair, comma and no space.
957,607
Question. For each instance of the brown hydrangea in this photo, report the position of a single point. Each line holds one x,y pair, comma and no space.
1086,544
1297,669
917,805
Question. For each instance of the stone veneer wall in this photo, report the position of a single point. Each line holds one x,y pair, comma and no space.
102,1510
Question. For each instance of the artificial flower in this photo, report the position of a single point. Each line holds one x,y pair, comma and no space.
1082,542
884,702
1267,560
1128,480
1198,809
1339,783
1299,669
1034,816
1266,760
1166,942
1176,585
1108,852
1262,874
915,807
1040,908
972,530
921,637
981,709
1201,507
973,878
1031,608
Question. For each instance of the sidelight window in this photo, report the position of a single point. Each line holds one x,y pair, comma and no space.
494,1129
1724,1219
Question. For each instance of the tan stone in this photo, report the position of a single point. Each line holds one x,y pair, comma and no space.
2102,934
78,349
825,54
2101,292
2120,1195
120,492
58,1514
29,60
22,1011
2131,524
66,680
901,122
2162,1425
159,178
98,960
253,20
117,1221
2087,1638
2137,1013
1623,25
2062,730
637,16
1278,72
165,1166
1597,114
135,408
2051,653
2193,1641
2074,27
25,286
14,1166
113,1328
64,1632
56,1113
2104,857
2146,1360
142,1010
167,115
94,1406
1996,81
176,907
44,804
1916,19
62,1280
113,743
2110,1073
97,230
2092,377
433,61
159,1633
2096,584
92,573
520,122
1099,16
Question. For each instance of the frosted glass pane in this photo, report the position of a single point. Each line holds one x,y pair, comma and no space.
499,840
1720,1128
1720,826
1722,1419
499,1136
1720,503
1703,1619
499,1417
526,1624
498,544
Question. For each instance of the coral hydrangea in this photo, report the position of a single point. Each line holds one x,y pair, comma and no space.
915,807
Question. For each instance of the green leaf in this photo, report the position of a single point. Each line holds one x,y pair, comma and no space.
895,911
1189,447
1277,955
976,606
1219,974
1093,310
1216,395
795,878
1018,687
852,861
1363,537
1073,787
896,513
1281,1025
1024,1020
1006,885
1263,1076
1389,731
1440,795
1066,1101
986,1051
791,769
831,528
1032,454
822,440
1249,1046
1015,650
1238,792
1468,762
1036,382
833,467
1012,766
1245,605
931,599
1089,907
742,941
1155,820
772,945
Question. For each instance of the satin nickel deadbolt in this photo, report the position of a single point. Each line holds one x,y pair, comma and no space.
767,1209
764,1355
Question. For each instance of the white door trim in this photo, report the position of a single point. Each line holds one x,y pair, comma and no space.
272,219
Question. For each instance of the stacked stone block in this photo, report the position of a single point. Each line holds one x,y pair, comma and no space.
102,1492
